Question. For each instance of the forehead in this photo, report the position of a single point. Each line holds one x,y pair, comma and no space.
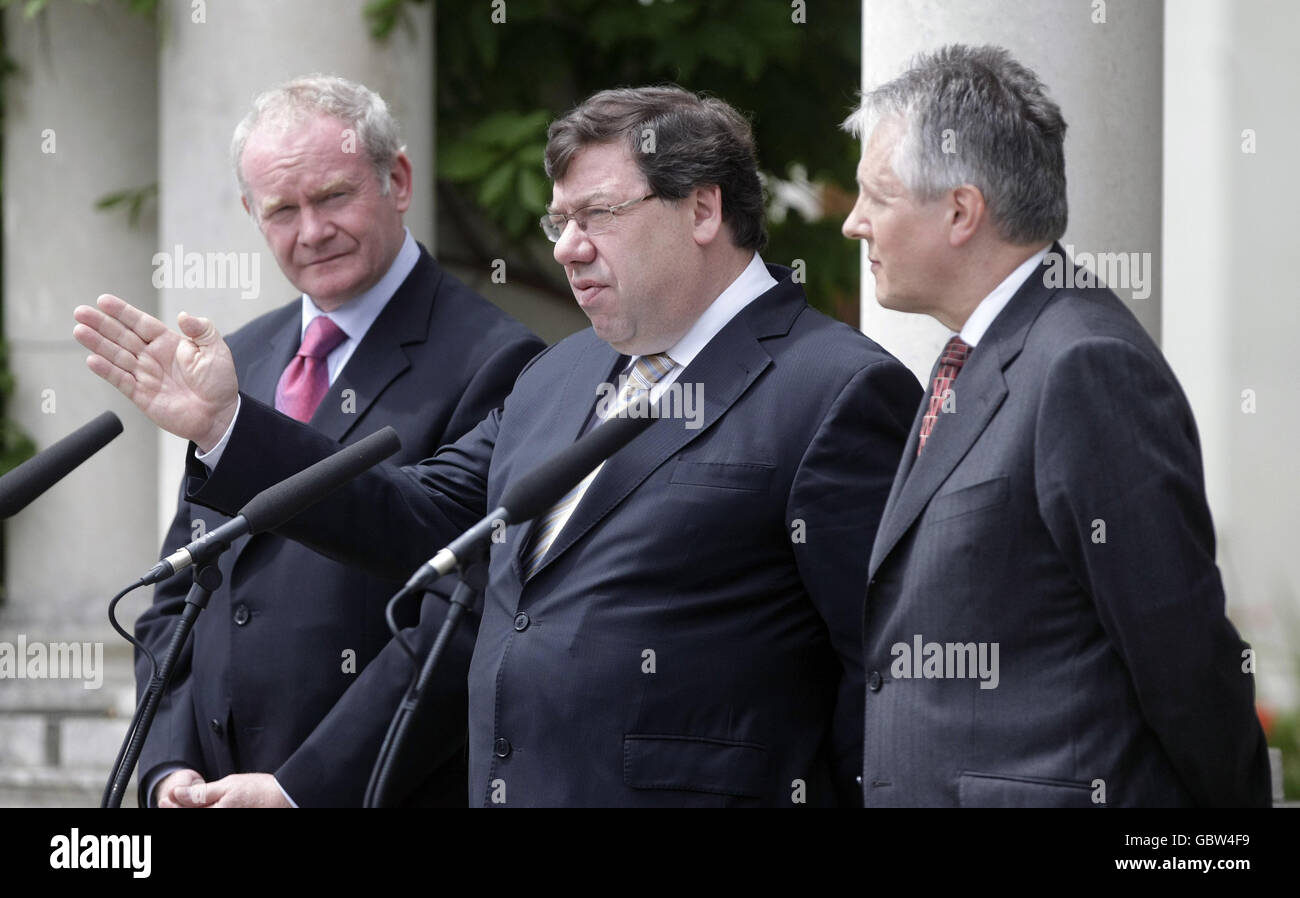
877,164
318,146
602,172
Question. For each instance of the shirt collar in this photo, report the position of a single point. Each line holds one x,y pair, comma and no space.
356,315
980,319
752,283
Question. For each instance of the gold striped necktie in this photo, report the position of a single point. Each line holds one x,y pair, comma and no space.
647,371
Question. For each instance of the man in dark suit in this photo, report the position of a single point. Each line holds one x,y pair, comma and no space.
683,627
288,683
1045,621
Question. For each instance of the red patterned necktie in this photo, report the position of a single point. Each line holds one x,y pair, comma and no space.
306,380
954,356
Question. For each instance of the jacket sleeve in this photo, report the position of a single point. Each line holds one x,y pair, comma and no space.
1120,488
834,509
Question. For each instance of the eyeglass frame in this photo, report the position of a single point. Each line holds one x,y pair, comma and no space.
546,220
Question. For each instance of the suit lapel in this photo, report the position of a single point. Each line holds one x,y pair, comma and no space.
381,355
726,367
576,400
264,370
978,392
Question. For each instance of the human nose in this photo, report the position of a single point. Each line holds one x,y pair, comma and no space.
314,226
857,226
573,245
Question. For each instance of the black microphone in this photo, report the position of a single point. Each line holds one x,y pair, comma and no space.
535,492
277,504
36,475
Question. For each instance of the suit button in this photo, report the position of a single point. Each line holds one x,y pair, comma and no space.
501,748
215,726
521,622
241,614
873,683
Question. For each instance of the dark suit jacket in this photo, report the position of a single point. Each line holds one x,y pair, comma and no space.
1059,512
287,670
693,635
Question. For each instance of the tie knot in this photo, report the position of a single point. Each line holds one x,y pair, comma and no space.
322,337
650,369
955,353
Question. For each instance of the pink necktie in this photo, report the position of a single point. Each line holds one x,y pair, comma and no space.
306,380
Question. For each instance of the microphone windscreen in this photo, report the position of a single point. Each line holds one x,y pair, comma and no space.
36,475
277,504
546,484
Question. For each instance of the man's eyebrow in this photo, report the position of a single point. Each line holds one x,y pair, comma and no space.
342,181
589,199
270,202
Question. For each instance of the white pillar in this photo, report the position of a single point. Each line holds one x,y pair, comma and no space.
1233,310
81,122
1106,77
211,66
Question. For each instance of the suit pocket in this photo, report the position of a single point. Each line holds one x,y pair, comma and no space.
723,475
990,790
694,764
956,503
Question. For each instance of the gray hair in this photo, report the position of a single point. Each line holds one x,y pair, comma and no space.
697,140
1009,136
292,102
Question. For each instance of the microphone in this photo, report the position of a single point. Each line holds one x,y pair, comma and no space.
36,475
277,504
535,492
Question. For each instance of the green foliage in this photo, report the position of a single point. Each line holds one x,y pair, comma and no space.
133,199
501,157
33,8
1285,734
499,83
15,446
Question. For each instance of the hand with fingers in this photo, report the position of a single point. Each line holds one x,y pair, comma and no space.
181,789
184,382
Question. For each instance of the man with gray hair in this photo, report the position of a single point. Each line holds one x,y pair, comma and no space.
291,679
1044,618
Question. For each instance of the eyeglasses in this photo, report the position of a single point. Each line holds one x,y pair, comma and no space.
590,219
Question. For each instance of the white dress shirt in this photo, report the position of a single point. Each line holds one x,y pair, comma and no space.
752,283
978,323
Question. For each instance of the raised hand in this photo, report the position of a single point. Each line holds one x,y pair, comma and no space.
184,382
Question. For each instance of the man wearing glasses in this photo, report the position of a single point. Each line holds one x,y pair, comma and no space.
683,627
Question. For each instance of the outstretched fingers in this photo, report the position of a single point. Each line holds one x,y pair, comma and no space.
144,326
122,380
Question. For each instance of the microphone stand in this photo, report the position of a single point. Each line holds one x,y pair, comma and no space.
462,600
207,579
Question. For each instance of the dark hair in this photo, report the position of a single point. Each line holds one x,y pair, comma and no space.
679,141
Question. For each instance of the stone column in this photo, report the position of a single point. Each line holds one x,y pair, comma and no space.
1233,311
1102,62
80,122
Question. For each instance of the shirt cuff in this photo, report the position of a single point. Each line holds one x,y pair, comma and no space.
211,458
